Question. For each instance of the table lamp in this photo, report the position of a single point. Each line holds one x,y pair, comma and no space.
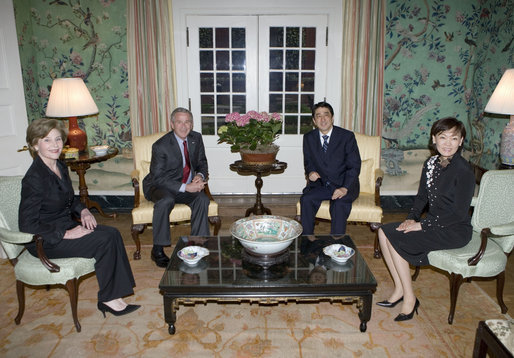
70,98
502,102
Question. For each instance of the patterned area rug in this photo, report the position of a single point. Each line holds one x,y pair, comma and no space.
232,330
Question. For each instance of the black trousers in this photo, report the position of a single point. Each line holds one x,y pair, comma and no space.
340,209
164,202
105,244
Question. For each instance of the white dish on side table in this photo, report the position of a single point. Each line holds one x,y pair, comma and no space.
191,255
338,252
100,149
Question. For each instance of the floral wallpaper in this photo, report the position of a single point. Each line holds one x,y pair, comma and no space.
72,38
444,58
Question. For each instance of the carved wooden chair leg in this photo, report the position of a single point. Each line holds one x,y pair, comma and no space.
20,290
500,283
73,290
415,274
376,247
216,221
455,282
136,230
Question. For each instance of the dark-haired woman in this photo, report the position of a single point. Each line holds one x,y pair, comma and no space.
445,190
48,207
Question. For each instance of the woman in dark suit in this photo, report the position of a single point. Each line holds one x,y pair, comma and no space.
446,187
48,207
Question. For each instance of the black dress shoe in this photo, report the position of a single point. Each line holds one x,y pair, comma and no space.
160,258
388,304
104,308
406,317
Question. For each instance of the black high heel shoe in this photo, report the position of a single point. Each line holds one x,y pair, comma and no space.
406,317
104,308
388,304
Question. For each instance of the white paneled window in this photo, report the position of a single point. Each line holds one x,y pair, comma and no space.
262,60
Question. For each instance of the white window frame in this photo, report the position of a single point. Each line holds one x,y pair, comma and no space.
292,180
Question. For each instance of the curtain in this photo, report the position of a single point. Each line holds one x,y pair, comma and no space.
363,65
152,88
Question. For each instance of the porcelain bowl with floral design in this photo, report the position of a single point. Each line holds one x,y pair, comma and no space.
191,255
338,252
266,234
100,149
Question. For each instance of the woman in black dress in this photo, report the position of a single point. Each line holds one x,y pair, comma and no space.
446,187
48,207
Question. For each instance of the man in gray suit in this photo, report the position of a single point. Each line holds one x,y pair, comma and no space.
178,173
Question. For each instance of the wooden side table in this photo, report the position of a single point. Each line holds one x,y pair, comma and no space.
259,170
80,166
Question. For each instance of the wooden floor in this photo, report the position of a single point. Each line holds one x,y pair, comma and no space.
233,208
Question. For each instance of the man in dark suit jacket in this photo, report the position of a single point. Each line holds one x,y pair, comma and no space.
332,165
178,173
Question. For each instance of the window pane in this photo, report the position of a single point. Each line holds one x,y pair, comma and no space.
275,81
238,38
238,82
291,103
208,125
239,104
205,35
309,37
308,81
290,125
276,37
206,82
222,60
223,105
238,60
206,60
275,103
276,59
222,39
292,59
222,82
293,37
207,102
308,57
307,102
220,121
291,82
305,124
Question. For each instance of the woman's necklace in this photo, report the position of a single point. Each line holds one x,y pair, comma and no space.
444,161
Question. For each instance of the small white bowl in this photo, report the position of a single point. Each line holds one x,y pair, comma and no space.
338,252
191,255
100,149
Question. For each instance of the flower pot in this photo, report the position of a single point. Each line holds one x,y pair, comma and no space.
261,156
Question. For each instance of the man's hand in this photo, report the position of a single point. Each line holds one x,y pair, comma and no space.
408,226
339,193
313,176
87,219
195,187
197,179
76,232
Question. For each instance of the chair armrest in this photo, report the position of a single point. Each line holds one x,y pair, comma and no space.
208,192
484,234
15,237
503,230
135,184
379,175
49,265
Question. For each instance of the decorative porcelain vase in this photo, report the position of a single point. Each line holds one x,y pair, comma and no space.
260,156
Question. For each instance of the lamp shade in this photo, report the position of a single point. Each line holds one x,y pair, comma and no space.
502,99
70,97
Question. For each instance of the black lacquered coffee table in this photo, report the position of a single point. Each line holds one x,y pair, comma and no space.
304,274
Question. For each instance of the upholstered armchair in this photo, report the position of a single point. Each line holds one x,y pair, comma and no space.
32,270
142,212
492,240
366,208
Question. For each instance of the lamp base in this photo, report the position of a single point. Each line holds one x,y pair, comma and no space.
507,143
77,138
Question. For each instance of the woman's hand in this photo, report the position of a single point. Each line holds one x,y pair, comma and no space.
313,176
408,226
88,220
76,232
339,193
